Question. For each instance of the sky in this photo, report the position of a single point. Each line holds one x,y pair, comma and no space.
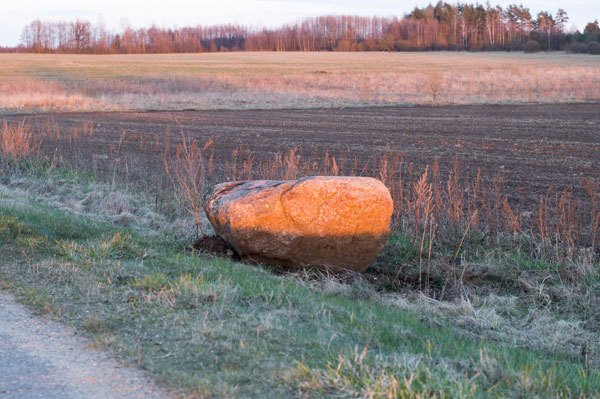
14,15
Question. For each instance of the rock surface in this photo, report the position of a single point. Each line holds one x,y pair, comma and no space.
332,222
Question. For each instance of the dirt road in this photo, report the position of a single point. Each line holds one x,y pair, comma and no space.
42,359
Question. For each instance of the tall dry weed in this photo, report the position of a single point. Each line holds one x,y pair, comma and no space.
187,174
18,140
439,209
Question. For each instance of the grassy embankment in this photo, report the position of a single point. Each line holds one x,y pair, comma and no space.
41,82
211,327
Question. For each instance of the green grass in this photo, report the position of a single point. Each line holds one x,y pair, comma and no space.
215,328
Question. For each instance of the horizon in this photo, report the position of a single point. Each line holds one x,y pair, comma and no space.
180,13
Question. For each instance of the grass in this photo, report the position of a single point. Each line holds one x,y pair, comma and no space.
211,327
35,82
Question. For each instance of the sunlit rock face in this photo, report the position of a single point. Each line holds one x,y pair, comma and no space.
332,222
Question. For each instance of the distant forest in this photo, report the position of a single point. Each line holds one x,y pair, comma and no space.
436,27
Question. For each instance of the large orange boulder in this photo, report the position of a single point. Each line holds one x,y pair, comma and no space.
332,222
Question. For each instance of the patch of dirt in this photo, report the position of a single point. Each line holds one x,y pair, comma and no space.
214,245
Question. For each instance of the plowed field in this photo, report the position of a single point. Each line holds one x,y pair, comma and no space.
532,146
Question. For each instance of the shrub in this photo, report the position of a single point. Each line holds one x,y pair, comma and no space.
578,48
594,48
532,46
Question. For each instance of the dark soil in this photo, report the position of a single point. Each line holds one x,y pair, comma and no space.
532,146
214,245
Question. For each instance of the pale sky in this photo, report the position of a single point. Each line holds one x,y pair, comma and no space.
270,13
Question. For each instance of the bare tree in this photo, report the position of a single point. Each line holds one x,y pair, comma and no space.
435,27
81,35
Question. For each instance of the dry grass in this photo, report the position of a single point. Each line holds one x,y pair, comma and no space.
528,281
18,140
548,306
273,80
435,209
187,174
43,96
213,327
454,234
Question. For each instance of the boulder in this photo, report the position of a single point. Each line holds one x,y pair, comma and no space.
330,222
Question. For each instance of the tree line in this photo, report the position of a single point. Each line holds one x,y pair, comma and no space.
435,27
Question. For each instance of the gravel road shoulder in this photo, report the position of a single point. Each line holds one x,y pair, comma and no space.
40,358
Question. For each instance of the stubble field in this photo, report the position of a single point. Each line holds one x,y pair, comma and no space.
43,82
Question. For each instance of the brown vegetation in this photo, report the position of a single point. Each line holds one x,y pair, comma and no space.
271,80
438,210
187,174
18,140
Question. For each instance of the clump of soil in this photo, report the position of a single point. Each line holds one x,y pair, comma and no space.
213,245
